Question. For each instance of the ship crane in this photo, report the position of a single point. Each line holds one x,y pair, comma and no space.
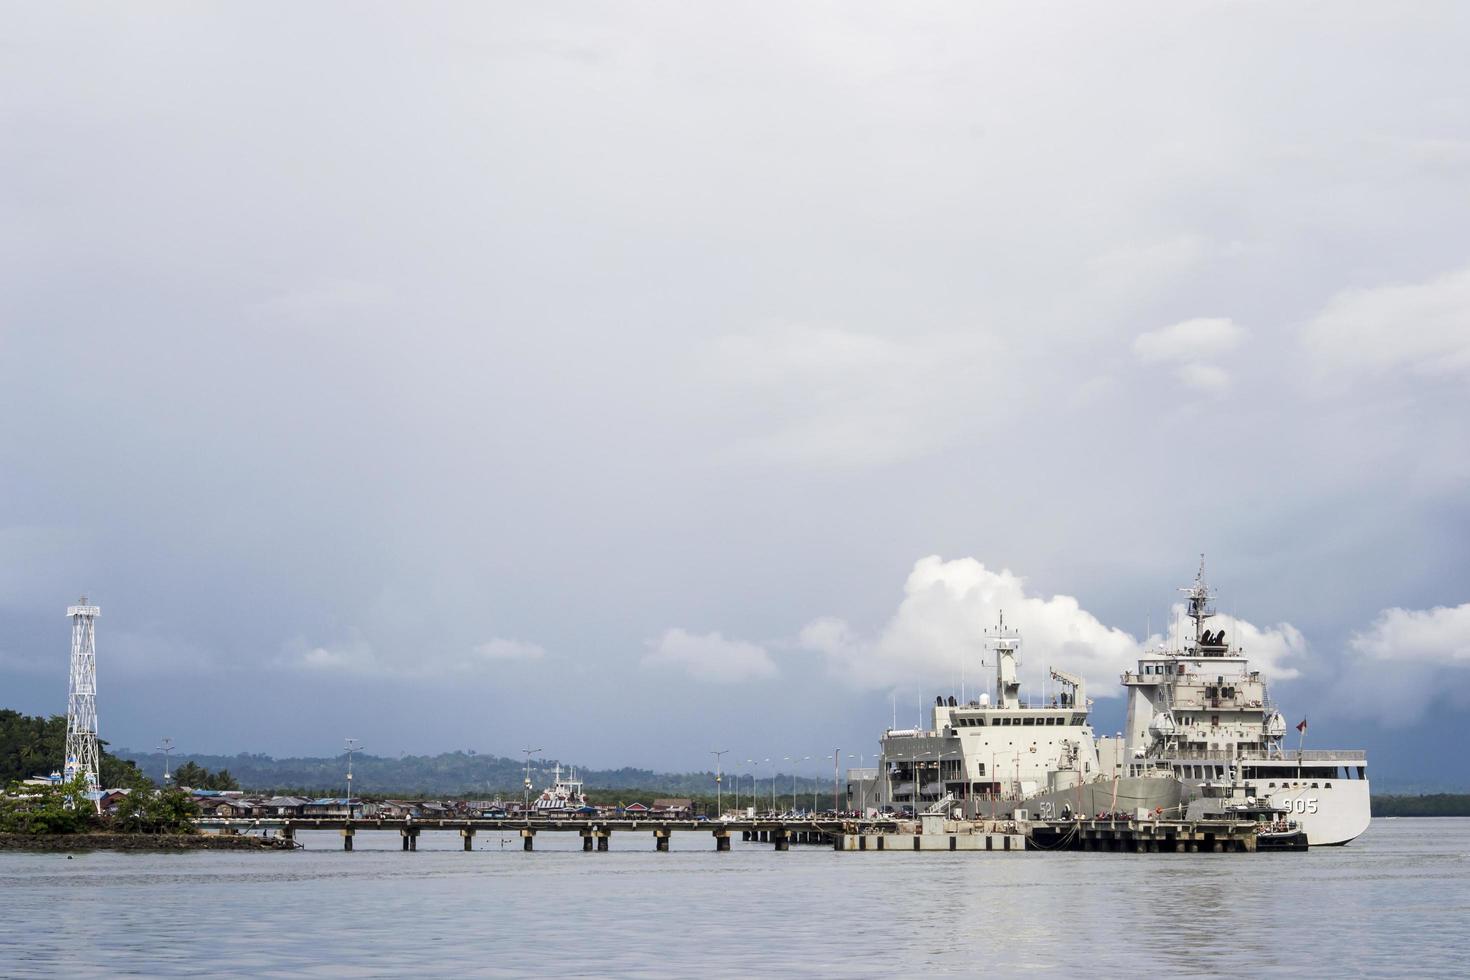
1078,697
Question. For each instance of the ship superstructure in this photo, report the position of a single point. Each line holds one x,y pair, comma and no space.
563,796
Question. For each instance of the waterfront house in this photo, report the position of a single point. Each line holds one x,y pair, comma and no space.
109,800
284,806
333,807
237,808
396,809
636,810
674,809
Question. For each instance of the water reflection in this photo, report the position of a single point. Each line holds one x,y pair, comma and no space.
1393,902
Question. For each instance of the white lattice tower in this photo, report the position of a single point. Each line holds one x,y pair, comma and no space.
81,702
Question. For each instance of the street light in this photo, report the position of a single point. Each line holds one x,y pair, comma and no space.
719,800
836,780
166,747
352,746
526,807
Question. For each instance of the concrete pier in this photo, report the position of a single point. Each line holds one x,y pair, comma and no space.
1146,836
929,833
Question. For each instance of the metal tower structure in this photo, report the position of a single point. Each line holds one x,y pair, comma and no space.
82,756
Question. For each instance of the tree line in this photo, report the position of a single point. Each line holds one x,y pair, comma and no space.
460,774
1429,805
31,745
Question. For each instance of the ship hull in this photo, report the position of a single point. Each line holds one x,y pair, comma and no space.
1330,813
1130,795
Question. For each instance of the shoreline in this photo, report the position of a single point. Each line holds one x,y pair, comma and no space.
56,843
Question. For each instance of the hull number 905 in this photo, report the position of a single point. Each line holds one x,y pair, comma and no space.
1301,805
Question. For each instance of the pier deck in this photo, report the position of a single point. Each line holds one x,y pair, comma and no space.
1144,836
929,834
595,832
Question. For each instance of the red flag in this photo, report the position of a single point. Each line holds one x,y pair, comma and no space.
1302,727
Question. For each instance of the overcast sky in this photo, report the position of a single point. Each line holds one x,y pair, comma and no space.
633,380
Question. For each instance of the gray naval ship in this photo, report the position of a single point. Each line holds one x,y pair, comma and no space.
1200,726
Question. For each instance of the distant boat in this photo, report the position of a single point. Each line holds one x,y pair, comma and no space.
563,798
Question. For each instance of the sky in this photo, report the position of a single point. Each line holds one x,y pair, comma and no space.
632,381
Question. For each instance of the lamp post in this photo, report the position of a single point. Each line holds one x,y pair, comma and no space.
352,746
719,800
836,779
526,806
166,747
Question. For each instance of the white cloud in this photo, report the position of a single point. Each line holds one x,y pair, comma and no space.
502,649
940,625
947,606
827,395
1438,636
353,655
1421,328
356,655
1189,340
709,657
1405,660
1191,346
1205,377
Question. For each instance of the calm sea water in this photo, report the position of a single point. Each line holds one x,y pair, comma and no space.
1395,902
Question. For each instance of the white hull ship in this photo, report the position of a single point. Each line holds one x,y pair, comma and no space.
564,797
1198,719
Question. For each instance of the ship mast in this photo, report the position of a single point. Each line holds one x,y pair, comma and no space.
1200,609
1007,684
